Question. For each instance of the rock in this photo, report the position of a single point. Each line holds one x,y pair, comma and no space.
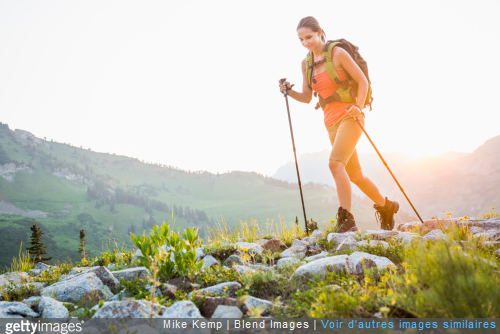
274,245
210,304
131,274
300,245
150,287
357,259
209,261
51,308
200,254
227,288
437,224
111,266
233,259
168,290
14,278
252,247
181,283
255,306
259,266
435,235
32,301
308,240
182,309
379,234
242,270
322,266
372,243
287,261
85,288
16,310
339,237
39,268
261,241
497,253
106,277
348,243
321,255
492,235
79,270
333,287
476,230
128,309
35,287
409,226
298,250
223,311
317,234
407,238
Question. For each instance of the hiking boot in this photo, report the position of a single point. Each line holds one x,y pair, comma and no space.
345,220
385,214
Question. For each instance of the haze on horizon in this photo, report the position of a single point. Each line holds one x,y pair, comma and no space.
194,84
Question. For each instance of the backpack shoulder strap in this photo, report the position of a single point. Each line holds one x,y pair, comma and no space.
309,61
329,68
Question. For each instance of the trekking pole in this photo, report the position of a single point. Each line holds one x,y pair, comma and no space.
385,163
285,93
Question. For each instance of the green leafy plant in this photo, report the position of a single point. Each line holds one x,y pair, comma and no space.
175,254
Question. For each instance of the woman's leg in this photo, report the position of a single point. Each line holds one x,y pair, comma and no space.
367,187
343,184
344,136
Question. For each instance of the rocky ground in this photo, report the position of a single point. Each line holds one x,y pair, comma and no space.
98,291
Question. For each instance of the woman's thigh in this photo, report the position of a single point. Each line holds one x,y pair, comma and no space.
344,138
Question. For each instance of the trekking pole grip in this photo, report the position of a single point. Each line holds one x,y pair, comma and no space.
287,89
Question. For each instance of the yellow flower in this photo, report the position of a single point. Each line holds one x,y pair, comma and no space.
449,213
244,249
465,217
492,208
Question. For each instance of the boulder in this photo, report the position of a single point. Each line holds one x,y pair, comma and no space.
32,301
208,305
16,310
287,261
51,308
250,246
182,309
209,261
233,259
322,266
200,254
339,237
39,268
128,309
86,288
14,278
372,243
321,255
168,290
131,274
356,261
274,245
379,234
106,277
409,226
435,235
317,234
407,238
227,288
255,306
223,311
79,270
348,243
259,266
243,270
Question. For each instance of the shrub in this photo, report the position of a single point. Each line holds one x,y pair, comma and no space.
162,244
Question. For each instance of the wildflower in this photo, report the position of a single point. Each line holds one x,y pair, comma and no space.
492,208
465,217
449,213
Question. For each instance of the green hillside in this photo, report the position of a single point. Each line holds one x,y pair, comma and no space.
66,189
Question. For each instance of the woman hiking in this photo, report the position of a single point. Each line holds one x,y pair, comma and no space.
339,119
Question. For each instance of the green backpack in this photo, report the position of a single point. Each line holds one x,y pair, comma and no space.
348,89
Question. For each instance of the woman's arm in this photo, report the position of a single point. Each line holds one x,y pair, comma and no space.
342,59
306,95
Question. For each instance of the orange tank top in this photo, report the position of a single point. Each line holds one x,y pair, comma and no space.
325,87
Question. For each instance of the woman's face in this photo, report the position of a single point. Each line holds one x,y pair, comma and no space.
309,38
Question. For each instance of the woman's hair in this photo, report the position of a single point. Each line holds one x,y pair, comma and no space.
311,22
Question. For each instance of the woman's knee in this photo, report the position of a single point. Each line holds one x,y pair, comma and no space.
336,167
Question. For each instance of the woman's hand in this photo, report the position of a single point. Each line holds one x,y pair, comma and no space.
354,111
284,86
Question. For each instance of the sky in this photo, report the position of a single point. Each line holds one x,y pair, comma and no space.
194,84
